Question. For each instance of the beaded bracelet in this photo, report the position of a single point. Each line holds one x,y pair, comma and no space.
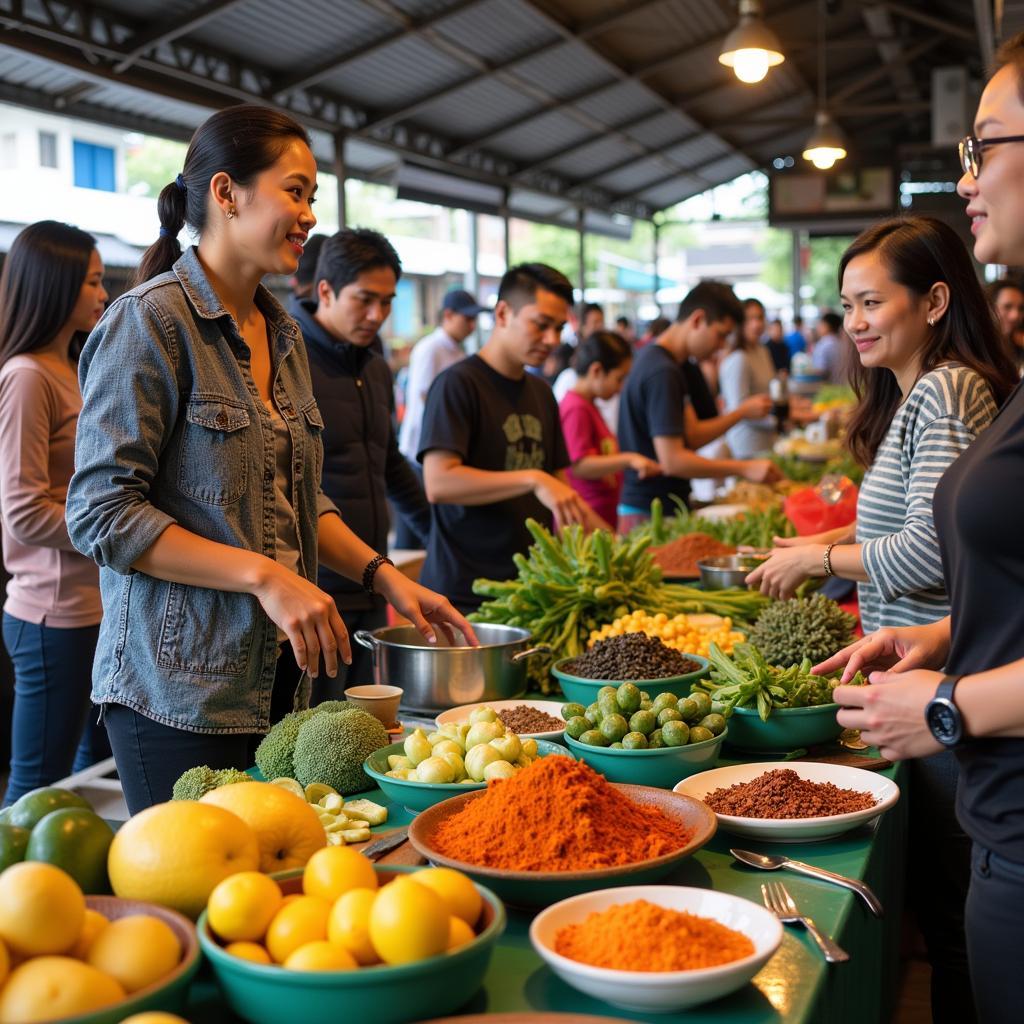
827,560
370,572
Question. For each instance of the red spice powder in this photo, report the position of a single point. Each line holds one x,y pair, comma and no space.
556,815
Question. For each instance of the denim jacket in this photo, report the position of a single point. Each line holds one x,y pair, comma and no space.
173,430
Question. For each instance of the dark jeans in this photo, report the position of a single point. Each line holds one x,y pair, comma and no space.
995,909
939,872
151,756
52,679
360,672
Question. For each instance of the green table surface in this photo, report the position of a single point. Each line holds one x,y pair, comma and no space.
796,986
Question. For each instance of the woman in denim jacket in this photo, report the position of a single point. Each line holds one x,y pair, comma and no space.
197,482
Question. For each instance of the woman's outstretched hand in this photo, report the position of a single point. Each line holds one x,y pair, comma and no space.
422,607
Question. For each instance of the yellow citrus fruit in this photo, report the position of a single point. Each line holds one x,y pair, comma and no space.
136,951
408,922
50,987
94,923
176,853
459,894
335,870
154,1017
320,956
288,829
251,951
459,933
349,924
41,909
5,963
243,905
302,921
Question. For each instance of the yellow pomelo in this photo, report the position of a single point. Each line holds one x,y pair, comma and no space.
154,1017
50,987
320,956
242,906
176,853
288,829
136,951
408,922
94,923
334,870
459,933
458,892
349,924
5,963
251,951
304,920
42,909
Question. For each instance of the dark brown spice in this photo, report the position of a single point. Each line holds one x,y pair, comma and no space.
524,719
781,793
629,657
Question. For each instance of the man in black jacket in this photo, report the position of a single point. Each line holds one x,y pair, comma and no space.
356,278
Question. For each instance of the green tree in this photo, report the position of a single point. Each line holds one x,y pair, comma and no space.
820,275
151,163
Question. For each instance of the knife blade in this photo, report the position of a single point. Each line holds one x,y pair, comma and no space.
380,847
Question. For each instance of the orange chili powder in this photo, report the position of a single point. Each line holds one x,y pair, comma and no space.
556,815
643,937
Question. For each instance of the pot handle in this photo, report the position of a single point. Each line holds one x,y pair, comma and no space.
530,652
366,638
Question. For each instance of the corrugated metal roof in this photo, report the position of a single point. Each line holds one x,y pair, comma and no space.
476,110
475,29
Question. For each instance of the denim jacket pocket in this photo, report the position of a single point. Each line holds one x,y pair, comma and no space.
315,429
213,462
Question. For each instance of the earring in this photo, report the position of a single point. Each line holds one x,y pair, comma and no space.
231,211
931,321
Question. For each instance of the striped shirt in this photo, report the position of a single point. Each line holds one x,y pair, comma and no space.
944,413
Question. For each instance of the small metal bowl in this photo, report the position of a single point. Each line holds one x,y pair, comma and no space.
726,571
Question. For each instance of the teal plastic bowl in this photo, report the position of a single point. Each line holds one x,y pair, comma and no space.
584,691
268,994
418,796
169,994
786,728
662,767
542,888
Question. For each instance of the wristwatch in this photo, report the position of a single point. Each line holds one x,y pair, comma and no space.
943,716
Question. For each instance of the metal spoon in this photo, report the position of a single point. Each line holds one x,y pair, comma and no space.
773,863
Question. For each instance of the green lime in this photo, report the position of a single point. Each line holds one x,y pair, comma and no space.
572,711
608,705
643,721
675,734
593,738
13,841
656,741
31,808
698,734
662,701
715,724
593,712
606,691
634,741
689,709
613,727
669,715
628,696
703,702
76,841
577,726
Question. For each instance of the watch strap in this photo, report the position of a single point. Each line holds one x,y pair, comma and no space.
947,687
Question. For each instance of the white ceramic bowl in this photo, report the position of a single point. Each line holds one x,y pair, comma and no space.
663,991
463,711
795,830
717,513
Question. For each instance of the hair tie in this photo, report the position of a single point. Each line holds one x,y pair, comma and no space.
167,233
180,182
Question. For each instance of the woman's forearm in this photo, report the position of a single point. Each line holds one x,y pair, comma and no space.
846,562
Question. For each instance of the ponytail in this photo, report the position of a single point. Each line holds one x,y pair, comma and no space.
606,348
242,141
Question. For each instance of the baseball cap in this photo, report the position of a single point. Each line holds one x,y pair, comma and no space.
460,301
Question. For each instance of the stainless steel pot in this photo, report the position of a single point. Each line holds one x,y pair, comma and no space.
726,571
442,677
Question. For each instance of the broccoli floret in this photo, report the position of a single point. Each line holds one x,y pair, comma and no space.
337,707
274,754
194,783
229,776
331,747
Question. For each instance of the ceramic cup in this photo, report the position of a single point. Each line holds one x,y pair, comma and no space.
380,701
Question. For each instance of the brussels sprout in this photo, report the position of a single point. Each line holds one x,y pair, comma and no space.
594,713
675,733
643,721
656,740
689,709
698,734
669,715
634,741
613,728
662,701
572,711
606,691
628,697
615,746
715,724
608,705
703,702
593,738
577,726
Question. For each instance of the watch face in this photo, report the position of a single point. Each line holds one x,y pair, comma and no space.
944,721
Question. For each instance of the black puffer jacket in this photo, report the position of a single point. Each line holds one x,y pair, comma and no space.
362,464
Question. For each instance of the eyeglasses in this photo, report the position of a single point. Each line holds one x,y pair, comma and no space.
971,149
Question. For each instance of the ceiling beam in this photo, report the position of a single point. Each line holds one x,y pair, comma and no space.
922,18
900,60
171,28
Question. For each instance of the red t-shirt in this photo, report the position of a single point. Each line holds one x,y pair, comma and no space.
586,433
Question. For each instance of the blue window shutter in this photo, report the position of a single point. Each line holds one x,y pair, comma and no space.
94,166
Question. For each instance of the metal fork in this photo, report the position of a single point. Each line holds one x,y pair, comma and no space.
778,900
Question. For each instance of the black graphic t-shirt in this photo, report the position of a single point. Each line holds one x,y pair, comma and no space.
496,424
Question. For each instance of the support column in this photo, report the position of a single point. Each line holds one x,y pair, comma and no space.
473,274
339,170
657,281
581,268
506,222
797,271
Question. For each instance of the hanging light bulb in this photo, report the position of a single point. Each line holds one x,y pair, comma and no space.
826,144
751,48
